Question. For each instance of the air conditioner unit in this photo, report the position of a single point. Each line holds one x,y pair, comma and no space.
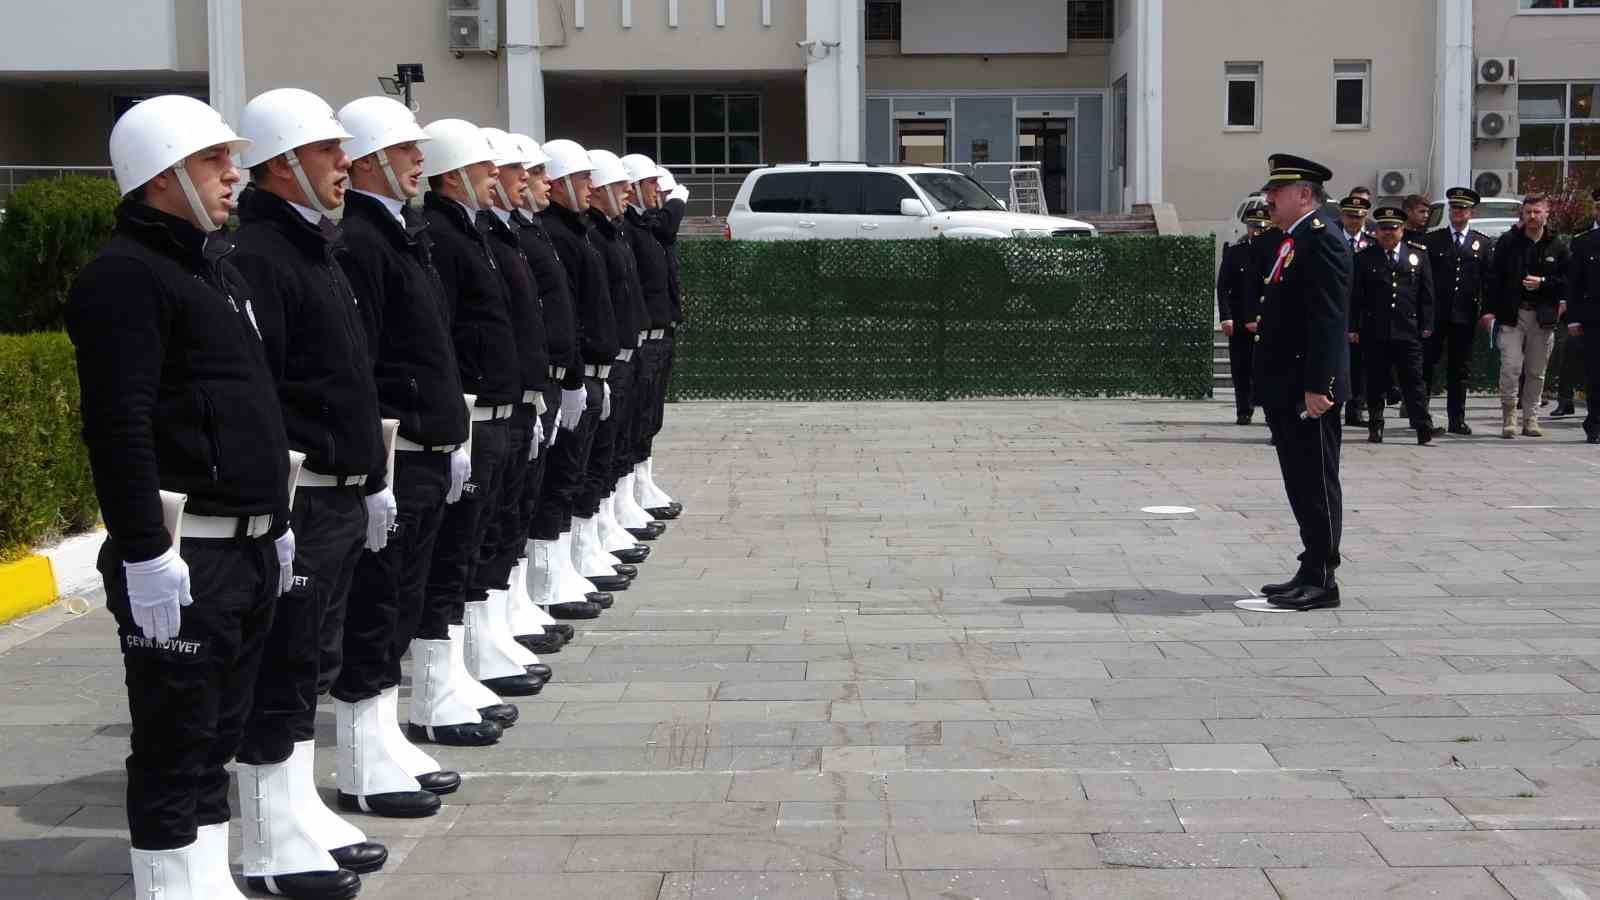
1495,125
474,26
1397,182
1497,70
1495,182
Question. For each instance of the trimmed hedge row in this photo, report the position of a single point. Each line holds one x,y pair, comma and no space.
46,488
52,228
945,319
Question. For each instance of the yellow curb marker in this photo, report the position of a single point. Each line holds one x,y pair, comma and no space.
26,585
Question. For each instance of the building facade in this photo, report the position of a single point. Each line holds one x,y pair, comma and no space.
1118,101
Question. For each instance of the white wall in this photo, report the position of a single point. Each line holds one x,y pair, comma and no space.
93,36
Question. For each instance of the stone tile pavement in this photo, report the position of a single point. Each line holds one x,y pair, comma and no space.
937,650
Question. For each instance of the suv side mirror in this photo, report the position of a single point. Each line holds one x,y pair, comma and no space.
911,206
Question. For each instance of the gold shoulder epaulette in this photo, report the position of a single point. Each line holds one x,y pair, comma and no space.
1418,244
1316,222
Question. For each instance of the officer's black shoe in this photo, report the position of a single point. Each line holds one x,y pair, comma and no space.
600,599
513,686
1426,434
1393,397
541,643
1308,597
1242,419
666,512
341,884
1594,437
1300,577
609,582
539,671
584,610
567,632
397,805
1354,419
649,532
365,857
468,734
1375,432
440,783
1459,426
626,571
502,714
634,555
1563,409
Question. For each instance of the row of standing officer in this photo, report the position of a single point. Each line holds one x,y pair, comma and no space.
484,329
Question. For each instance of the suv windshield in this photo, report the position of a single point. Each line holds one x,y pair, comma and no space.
955,192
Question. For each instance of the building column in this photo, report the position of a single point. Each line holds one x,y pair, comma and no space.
524,71
834,62
1454,75
225,57
1148,104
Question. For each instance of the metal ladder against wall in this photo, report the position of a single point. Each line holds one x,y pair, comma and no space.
1027,191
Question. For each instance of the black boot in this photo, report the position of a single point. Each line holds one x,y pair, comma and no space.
583,610
513,686
1563,409
1426,434
608,583
545,643
567,632
626,571
1302,575
539,671
1459,426
441,782
341,884
634,555
502,714
469,734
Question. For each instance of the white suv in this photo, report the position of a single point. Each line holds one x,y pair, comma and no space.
858,200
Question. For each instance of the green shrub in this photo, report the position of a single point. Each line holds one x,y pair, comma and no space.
52,228
45,485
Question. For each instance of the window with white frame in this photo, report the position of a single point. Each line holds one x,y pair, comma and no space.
702,129
1352,94
1559,137
1242,83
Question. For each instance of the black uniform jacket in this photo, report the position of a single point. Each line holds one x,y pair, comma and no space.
1303,346
627,296
403,307
1516,257
174,387
1238,286
1583,281
651,258
665,222
555,295
1458,275
586,275
315,340
480,311
1392,301
527,318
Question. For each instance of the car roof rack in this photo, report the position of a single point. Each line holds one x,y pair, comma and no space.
840,162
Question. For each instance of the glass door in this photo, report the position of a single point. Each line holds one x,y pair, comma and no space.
1049,143
923,142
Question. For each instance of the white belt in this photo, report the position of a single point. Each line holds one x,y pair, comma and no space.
601,372
558,372
656,334
401,443
644,335
490,413
536,399
309,478
219,528
624,355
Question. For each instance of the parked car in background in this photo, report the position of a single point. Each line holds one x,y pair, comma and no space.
859,200
1494,215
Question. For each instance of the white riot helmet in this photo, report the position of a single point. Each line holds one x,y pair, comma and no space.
282,120
640,168
457,144
608,173
506,153
378,123
159,134
533,157
567,158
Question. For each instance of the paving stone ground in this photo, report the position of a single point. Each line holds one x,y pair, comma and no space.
936,650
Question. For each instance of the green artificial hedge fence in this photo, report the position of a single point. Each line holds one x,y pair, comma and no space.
946,319
45,485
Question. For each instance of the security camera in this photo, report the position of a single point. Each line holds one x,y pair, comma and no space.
805,45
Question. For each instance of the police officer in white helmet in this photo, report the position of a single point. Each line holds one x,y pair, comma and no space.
177,397
669,201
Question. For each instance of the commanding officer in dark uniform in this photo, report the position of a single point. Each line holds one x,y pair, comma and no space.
1302,371
1583,313
176,396
1353,211
1391,309
1238,302
1459,257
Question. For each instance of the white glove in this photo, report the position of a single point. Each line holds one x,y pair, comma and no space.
381,511
460,471
571,411
679,193
538,438
605,401
156,588
285,548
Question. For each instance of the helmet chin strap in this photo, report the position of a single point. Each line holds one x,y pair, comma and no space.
467,189
201,217
638,194
611,191
304,182
505,197
572,195
395,190
529,201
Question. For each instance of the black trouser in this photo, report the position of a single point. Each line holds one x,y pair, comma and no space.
597,476
533,482
189,698
1452,344
669,354
330,533
386,594
508,530
626,404
452,577
1573,363
1241,354
1591,367
652,361
1308,457
1358,377
566,470
1401,359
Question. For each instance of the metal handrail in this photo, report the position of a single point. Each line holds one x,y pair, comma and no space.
12,177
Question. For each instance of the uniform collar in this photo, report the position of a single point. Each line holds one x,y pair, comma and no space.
389,203
171,235
1309,213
